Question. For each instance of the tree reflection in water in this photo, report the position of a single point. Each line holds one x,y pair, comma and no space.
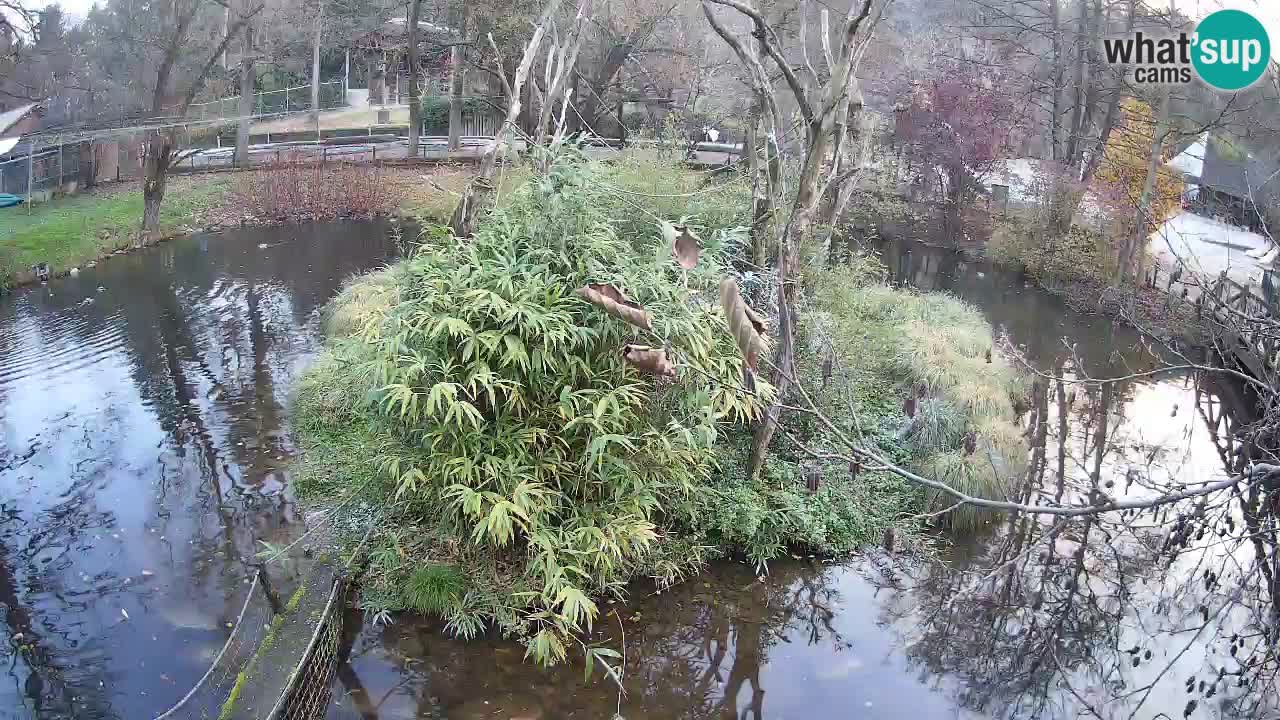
142,457
697,651
1142,614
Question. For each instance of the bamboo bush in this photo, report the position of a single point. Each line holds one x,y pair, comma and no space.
556,405
512,429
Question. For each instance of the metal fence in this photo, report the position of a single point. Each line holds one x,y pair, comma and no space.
207,699
44,167
307,695
333,94
43,170
51,163
475,124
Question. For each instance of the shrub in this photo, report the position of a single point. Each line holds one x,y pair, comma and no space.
510,425
435,110
656,188
435,588
1122,174
1082,253
635,120
313,191
363,301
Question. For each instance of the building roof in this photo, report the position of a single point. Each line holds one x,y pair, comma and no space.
11,118
1234,170
1219,164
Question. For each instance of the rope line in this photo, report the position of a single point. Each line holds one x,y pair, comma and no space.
200,683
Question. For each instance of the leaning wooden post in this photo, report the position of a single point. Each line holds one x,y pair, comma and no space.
31,171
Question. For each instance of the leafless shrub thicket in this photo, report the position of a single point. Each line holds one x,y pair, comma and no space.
308,191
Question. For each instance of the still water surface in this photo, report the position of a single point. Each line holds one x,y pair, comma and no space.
144,451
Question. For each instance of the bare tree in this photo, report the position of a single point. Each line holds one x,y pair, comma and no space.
161,141
560,64
823,111
16,21
478,196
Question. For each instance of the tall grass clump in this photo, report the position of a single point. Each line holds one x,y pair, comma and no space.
933,357
364,299
504,432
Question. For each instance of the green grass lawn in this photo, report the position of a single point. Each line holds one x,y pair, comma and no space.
73,230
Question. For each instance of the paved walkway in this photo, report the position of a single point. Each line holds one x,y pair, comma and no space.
1207,248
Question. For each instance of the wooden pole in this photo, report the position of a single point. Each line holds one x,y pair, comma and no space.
31,164
315,70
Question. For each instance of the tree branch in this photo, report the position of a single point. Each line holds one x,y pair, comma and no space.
212,60
765,34
759,77
1266,474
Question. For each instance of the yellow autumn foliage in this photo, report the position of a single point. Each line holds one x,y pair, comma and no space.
1123,171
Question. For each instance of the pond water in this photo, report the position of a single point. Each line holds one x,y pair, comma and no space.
143,453
1006,626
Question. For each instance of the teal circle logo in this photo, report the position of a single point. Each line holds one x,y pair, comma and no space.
1231,50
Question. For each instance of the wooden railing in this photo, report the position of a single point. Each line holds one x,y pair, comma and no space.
1246,320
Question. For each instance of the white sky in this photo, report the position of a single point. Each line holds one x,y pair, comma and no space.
1268,11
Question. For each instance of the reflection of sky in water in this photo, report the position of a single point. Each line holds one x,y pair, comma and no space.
142,425
156,413
914,642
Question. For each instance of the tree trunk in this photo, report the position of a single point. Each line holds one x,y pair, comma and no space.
783,363
957,184
1055,38
798,230
382,80
759,189
1077,107
1142,217
456,73
480,191
562,82
248,74
159,152
415,121
315,70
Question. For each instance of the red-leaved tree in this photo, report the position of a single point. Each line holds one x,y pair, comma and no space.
957,126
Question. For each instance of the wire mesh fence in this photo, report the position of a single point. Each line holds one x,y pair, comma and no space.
273,102
42,170
207,698
308,694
